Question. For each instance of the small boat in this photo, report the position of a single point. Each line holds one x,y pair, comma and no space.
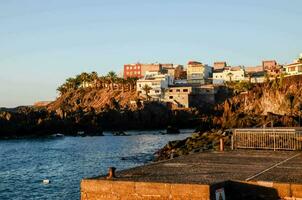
46,181
81,133
119,133
58,135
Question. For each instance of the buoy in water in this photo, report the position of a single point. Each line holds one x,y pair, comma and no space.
46,181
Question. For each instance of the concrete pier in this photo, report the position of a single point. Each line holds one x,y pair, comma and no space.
241,174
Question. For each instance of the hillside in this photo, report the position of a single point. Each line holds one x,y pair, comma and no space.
97,99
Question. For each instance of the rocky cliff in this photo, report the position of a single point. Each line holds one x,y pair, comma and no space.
90,111
274,103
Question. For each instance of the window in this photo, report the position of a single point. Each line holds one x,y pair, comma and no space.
178,90
139,85
185,90
156,91
170,90
170,97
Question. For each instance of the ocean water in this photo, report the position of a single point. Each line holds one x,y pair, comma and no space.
25,163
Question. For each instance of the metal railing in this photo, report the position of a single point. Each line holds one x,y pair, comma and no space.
267,138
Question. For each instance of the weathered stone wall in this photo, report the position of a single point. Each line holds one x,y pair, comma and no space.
127,190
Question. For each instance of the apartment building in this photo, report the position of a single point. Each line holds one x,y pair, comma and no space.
139,70
133,71
198,72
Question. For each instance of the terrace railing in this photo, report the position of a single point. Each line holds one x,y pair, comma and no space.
267,138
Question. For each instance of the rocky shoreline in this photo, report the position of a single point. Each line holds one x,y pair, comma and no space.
29,122
198,142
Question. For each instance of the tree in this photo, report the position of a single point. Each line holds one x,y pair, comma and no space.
62,89
112,78
122,82
146,88
230,75
132,82
94,78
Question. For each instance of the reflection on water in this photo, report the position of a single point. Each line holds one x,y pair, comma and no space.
65,161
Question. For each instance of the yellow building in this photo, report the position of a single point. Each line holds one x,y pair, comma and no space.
198,72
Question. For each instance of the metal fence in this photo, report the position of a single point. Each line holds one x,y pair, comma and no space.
268,138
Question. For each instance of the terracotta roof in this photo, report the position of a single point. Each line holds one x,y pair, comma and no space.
193,62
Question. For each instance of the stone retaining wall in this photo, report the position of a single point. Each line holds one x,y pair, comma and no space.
94,189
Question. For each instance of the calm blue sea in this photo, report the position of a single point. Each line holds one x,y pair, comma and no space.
65,161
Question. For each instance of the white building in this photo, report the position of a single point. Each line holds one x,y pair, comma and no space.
157,83
294,68
228,74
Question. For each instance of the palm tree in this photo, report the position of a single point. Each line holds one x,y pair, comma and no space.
230,75
85,79
72,83
62,89
94,77
250,77
102,81
123,82
146,89
112,78
132,82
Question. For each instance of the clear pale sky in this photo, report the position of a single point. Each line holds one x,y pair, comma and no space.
44,42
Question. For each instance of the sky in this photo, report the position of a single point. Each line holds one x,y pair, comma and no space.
44,42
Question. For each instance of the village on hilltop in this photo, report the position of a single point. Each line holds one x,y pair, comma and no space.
181,86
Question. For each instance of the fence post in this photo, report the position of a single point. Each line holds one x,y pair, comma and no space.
274,140
221,144
232,142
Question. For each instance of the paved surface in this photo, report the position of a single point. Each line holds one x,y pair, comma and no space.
213,167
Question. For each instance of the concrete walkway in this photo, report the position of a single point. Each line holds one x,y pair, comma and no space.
214,167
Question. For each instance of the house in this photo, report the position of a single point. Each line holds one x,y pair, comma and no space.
294,68
271,67
178,96
189,95
198,72
228,74
220,65
157,83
